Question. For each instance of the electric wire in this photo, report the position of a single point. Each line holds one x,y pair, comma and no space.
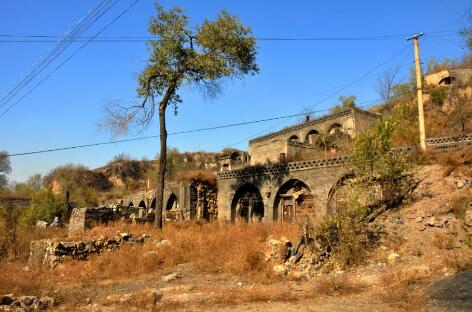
93,15
70,57
238,124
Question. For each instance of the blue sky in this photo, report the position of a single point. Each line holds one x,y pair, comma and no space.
294,76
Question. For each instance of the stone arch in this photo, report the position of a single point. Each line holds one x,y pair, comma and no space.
335,193
172,210
446,81
130,204
294,138
293,200
335,128
247,204
311,136
153,203
142,204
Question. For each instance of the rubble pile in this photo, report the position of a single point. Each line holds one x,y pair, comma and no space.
53,253
25,303
302,258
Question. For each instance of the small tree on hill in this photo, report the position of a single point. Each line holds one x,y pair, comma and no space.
184,56
345,103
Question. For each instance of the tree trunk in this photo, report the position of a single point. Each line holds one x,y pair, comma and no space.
162,168
162,156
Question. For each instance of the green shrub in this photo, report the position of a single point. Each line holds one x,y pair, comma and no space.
437,96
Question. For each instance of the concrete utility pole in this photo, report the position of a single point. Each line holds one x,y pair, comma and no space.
419,90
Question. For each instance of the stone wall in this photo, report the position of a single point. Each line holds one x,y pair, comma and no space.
52,253
86,218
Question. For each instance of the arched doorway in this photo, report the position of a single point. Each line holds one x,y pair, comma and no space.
142,204
247,204
172,208
130,204
293,201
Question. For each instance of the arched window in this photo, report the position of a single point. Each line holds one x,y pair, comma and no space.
294,138
335,129
311,136
446,81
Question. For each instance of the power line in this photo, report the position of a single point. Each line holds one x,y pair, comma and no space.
81,26
183,132
52,38
335,92
70,57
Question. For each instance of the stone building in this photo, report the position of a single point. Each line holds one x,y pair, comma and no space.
182,201
274,188
298,139
449,76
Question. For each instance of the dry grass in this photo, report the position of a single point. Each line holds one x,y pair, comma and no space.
15,242
205,176
338,284
404,289
229,249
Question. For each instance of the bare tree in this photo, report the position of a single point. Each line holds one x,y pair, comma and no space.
385,85
183,56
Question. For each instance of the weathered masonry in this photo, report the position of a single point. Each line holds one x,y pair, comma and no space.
289,190
301,138
281,192
182,201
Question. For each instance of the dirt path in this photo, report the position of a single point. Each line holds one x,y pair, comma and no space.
453,293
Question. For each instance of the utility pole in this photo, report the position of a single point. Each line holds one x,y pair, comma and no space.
419,90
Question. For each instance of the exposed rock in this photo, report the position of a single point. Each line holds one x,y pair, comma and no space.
393,258
431,221
6,299
41,224
170,277
52,253
280,269
27,301
468,218
45,303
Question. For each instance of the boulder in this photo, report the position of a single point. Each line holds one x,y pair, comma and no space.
27,301
45,303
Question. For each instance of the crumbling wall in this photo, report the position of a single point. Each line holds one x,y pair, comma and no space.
86,218
52,253
205,198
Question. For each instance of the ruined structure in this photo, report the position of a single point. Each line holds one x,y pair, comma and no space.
287,191
449,76
301,139
182,201
265,186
